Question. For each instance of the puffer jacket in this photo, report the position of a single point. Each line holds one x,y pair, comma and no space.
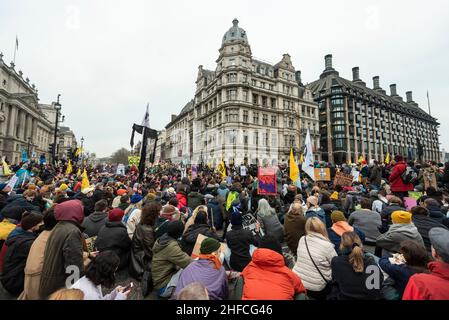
113,236
396,183
391,240
322,252
182,200
316,212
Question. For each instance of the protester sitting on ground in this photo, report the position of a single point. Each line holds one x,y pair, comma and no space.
193,291
125,201
67,294
434,209
314,210
299,199
294,226
395,204
328,206
340,226
114,237
181,195
93,223
379,200
401,229
132,214
314,255
424,223
350,274
435,285
412,258
194,198
19,245
208,270
267,277
200,226
168,260
64,247
171,213
101,273
269,221
367,221
241,243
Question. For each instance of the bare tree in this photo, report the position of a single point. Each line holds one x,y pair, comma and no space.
120,156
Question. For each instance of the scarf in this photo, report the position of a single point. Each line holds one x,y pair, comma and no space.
213,258
341,227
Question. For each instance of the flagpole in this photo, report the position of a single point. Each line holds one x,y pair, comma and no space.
15,49
428,102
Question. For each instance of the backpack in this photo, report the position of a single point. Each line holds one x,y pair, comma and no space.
409,176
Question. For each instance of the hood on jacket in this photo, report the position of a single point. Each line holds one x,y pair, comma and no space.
341,227
162,242
193,230
16,232
20,235
114,224
408,229
440,269
268,258
71,210
98,216
435,212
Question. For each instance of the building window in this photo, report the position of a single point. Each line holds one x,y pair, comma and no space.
273,140
234,115
255,99
271,87
265,120
256,138
245,115
231,94
264,101
273,121
245,137
290,122
292,141
232,77
273,103
245,95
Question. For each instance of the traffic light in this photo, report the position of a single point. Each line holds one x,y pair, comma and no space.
50,148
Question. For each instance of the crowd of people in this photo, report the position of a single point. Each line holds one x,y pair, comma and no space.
178,236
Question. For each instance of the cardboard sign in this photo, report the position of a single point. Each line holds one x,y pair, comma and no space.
322,174
90,243
243,171
343,179
267,182
430,180
12,183
249,223
199,240
121,169
410,203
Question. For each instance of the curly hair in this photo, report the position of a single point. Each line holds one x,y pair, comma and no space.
101,271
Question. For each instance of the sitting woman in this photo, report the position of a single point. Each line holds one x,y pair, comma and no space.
269,221
200,226
294,226
350,272
340,226
413,258
101,272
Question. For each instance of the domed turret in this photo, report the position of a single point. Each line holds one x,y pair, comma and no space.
235,33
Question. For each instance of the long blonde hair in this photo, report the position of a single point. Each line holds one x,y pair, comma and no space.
351,241
315,225
67,294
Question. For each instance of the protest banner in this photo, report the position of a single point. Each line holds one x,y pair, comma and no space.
121,169
133,160
12,183
322,174
267,182
430,180
343,179
249,223
409,203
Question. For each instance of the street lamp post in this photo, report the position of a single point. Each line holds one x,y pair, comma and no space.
58,109
29,145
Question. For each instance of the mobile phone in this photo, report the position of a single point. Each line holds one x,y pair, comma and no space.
128,287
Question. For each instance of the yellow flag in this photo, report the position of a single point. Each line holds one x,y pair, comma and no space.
78,151
387,158
78,173
361,158
85,181
301,159
222,169
69,168
6,169
294,171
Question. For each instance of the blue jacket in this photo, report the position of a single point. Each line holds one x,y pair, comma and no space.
214,208
336,239
316,213
400,273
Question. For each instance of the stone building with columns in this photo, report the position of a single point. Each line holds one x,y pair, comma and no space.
23,126
245,111
356,120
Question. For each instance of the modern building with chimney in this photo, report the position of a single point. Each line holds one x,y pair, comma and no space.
356,120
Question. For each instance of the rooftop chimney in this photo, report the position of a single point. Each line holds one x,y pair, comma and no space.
328,61
393,92
298,76
376,82
355,74
173,117
409,95
329,70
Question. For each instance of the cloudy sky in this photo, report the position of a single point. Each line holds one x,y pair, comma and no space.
109,58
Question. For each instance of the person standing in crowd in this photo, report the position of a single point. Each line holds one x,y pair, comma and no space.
314,256
375,176
294,226
340,226
267,277
349,272
93,223
367,221
398,187
223,191
181,195
314,210
200,226
434,285
269,221
215,211
101,273
208,270
424,223
401,229
124,202
64,248
132,214
114,237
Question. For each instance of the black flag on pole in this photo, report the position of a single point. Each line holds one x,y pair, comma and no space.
147,133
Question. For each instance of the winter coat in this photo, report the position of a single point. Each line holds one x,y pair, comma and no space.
113,236
182,200
316,212
88,203
93,223
391,240
93,292
215,209
433,286
13,276
194,199
33,267
351,285
376,175
366,221
17,201
328,208
168,258
436,213
396,183
189,237
141,250
272,226
335,238
239,241
267,278
223,192
132,217
294,229
424,224
98,195
203,271
289,197
322,252
400,273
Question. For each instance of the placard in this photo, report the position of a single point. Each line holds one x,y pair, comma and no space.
322,174
11,184
430,180
194,171
409,203
243,171
249,223
267,182
199,240
121,169
343,179
90,244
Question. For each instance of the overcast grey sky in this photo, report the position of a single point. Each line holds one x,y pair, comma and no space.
109,58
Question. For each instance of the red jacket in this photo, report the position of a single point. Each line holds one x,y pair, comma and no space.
433,286
396,183
182,200
267,278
